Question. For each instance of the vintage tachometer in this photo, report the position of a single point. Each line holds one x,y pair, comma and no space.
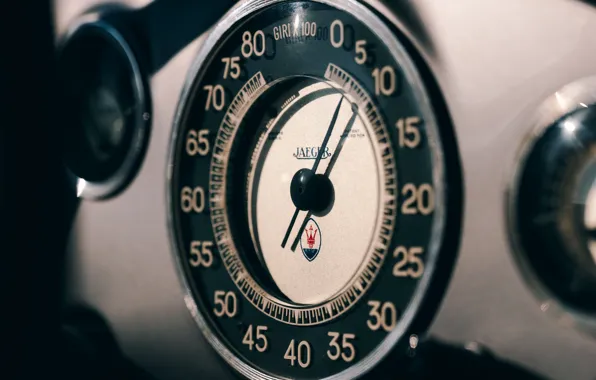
308,190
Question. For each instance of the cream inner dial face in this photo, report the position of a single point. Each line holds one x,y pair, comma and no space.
334,244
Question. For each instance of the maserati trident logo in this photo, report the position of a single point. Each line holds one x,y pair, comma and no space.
311,153
310,241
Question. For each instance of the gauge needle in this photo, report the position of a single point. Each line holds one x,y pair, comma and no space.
332,162
315,166
342,140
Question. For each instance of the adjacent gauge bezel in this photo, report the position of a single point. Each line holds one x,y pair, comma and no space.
130,165
573,96
442,247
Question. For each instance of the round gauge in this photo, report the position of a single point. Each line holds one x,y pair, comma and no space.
308,190
107,124
551,205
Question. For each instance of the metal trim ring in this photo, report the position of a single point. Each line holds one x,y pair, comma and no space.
399,53
118,181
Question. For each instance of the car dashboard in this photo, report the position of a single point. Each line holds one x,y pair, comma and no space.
466,160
